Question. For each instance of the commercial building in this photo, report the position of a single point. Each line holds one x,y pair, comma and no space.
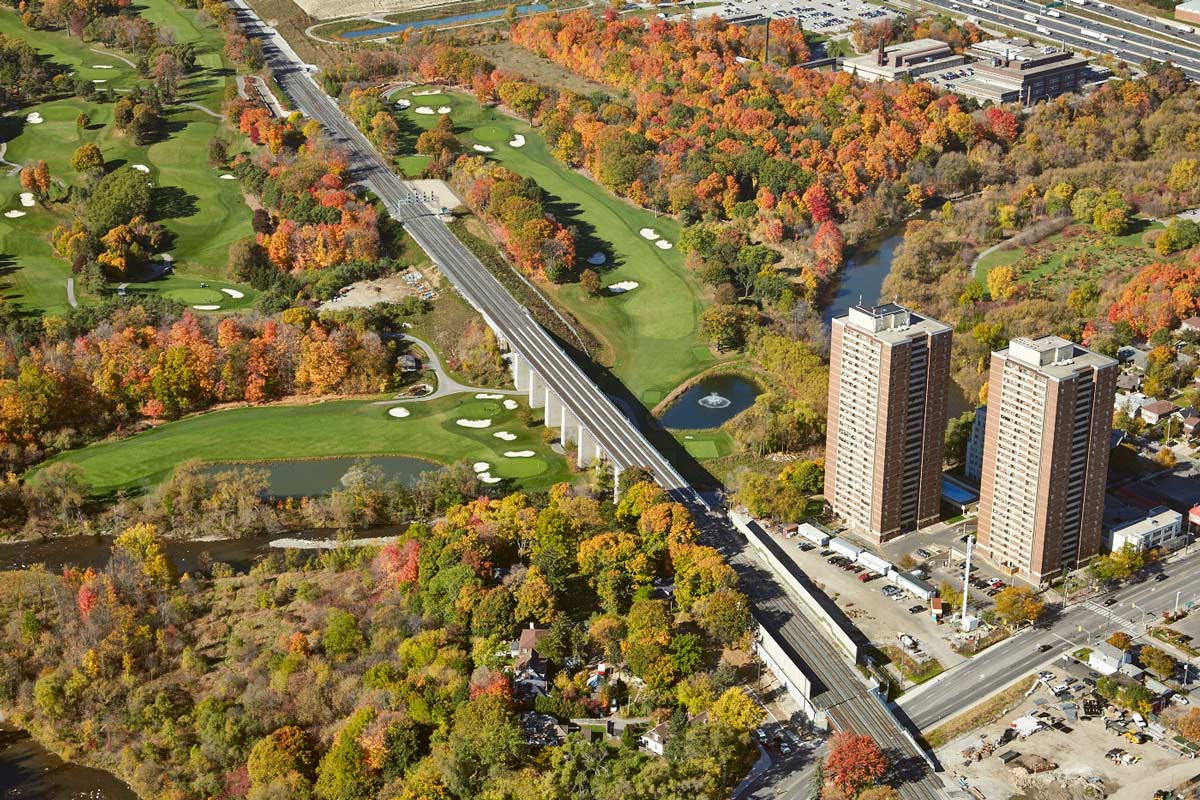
1162,528
889,369
891,62
1015,71
1189,11
1045,456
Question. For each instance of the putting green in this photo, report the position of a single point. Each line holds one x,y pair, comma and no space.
320,430
651,334
490,133
481,409
196,297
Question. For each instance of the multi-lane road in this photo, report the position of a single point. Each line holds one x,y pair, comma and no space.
1130,36
1136,606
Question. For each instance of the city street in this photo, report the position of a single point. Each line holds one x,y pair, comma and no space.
957,689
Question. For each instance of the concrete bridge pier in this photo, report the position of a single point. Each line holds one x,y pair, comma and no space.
520,371
537,390
588,449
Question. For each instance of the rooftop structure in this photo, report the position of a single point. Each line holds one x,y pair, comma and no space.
1162,528
1014,70
914,58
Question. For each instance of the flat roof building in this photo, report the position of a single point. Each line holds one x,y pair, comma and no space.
1015,71
1162,528
1188,11
889,368
1045,458
914,58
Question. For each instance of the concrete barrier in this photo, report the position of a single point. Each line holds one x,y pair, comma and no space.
788,668
796,581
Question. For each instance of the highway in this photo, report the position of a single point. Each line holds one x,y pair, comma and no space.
1129,45
963,686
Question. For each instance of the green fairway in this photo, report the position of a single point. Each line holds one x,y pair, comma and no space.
325,430
651,332
203,213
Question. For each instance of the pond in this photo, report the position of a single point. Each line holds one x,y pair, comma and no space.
710,402
309,478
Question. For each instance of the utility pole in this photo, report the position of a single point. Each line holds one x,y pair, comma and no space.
967,579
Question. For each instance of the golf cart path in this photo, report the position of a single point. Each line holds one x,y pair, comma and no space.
71,293
113,55
446,384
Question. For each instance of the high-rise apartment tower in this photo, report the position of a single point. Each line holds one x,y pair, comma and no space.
888,377
1045,456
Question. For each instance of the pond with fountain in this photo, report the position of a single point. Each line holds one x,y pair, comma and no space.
710,402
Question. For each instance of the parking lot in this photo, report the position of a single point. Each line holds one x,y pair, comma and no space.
829,18
860,594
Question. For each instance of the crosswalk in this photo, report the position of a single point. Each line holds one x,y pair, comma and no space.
1110,615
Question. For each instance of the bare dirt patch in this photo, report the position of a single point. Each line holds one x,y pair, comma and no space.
507,55
389,289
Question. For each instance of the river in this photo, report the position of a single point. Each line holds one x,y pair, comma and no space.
31,772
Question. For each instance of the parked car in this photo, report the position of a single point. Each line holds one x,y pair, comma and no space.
916,609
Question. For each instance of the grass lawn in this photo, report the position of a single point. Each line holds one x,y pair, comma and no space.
203,213
1078,252
320,430
705,445
650,334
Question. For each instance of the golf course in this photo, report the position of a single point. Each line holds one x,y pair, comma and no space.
203,212
430,431
648,321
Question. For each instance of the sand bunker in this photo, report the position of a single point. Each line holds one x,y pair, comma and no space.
473,423
228,177
14,214
487,477
597,259
649,233
505,435
141,168
398,412
623,286
34,119
403,103
426,92
518,454
516,141
511,405
484,396
206,307
444,109
99,80
27,199
234,293
102,66
483,148
663,244
423,110
481,466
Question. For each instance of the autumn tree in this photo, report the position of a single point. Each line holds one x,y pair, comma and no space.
283,762
737,710
1016,605
1001,281
1157,661
1120,640
87,159
36,180
854,763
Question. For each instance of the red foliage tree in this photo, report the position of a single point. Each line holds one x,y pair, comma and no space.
854,763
